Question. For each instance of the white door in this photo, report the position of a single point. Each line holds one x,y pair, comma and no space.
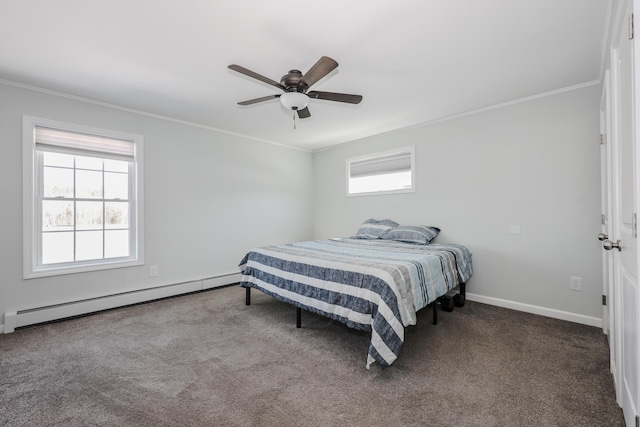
605,203
606,179
623,216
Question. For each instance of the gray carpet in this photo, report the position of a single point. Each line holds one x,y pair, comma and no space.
206,359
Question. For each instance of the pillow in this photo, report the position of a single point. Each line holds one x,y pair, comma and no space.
374,229
419,234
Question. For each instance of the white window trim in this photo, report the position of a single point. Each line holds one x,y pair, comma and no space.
30,203
410,149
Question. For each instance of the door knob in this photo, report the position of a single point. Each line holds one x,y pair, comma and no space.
602,237
608,245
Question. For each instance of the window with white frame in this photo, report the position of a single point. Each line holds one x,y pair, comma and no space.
82,198
382,173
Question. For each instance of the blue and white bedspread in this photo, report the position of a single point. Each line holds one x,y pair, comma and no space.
373,285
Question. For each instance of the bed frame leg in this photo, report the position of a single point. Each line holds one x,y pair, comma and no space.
298,317
435,312
247,298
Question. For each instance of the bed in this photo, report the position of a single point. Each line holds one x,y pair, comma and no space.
372,284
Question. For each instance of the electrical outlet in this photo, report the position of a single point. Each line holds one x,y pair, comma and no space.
575,283
153,271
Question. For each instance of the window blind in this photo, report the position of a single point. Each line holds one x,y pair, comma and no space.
49,139
394,163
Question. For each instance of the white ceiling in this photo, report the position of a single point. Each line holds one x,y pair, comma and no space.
413,61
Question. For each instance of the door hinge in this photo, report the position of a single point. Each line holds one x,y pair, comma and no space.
631,26
604,300
634,225
603,219
603,139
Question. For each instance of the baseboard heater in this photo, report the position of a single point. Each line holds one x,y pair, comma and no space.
32,316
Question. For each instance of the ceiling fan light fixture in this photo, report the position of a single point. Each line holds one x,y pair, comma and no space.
294,100
295,85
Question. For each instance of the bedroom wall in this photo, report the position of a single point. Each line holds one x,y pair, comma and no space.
209,197
534,164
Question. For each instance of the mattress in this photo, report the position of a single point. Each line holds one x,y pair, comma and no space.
368,284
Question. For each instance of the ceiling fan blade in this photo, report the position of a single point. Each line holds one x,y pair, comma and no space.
304,113
256,100
332,96
320,69
255,75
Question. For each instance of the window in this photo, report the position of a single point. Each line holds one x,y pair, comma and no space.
82,198
382,173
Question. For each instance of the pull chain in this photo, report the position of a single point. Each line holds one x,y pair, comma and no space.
294,119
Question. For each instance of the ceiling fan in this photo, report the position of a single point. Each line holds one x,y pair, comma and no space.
296,85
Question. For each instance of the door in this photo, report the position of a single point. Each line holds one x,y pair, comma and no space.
623,239
606,179
605,203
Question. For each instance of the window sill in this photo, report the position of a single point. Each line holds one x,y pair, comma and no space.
67,269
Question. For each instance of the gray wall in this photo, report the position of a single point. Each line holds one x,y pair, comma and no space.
534,164
209,197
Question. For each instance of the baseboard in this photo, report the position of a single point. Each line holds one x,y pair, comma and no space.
18,318
226,279
534,309
60,311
